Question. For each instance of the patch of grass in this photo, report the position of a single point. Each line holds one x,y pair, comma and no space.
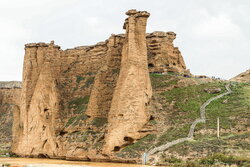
78,136
79,79
141,145
78,107
172,160
78,101
81,117
90,73
225,159
76,120
89,82
153,122
210,144
173,134
233,111
70,121
160,81
98,145
116,71
187,101
99,121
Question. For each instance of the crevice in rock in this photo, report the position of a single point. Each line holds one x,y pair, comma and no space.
62,133
44,143
117,148
150,65
129,140
41,155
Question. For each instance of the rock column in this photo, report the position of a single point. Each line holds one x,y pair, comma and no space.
133,90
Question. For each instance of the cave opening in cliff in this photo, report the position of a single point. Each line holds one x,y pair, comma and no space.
117,148
62,133
150,65
43,156
128,139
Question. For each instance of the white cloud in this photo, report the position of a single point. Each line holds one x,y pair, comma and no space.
220,26
11,30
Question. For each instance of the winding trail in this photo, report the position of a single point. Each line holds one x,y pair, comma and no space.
202,119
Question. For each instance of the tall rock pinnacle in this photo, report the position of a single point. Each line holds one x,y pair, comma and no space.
133,89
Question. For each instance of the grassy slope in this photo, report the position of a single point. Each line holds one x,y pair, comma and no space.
180,106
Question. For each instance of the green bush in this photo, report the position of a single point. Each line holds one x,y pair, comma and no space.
99,121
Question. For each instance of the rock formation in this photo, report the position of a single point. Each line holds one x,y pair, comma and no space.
9,106
162,55
242,77
133,89
39,101
88,102
10,85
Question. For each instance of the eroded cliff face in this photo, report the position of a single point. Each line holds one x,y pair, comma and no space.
133,89
9,106
88,102
163,56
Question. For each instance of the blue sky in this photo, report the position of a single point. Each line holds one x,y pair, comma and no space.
213,35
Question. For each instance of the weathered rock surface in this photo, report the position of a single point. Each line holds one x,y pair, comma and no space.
9,106
133,90
88,102
10,84
242,77
212,90
163,56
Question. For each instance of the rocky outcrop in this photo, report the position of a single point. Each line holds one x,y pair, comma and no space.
9,106
10,84
163,56
105,80
133,89
88,102
39,101
242,77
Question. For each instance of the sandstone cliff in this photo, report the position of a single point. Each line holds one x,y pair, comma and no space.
133,90
162,55
242,77
91,101
9,106
10,85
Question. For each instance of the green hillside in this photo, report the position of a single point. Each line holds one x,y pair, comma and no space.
174,107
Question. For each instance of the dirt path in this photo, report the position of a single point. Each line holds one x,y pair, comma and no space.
202,119
34,162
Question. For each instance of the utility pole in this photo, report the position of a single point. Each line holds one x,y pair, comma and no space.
218,127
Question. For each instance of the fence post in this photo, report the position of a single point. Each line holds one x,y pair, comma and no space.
218,127
144,158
